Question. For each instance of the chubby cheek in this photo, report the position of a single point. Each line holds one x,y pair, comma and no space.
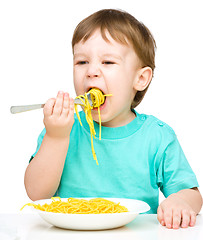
120,93
78,85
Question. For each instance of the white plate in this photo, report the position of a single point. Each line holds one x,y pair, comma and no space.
94,221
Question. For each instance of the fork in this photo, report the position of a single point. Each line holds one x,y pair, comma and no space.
24,108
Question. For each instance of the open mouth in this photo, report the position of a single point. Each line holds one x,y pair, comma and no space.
98,97
96,89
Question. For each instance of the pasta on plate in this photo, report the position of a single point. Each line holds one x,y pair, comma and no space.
80,206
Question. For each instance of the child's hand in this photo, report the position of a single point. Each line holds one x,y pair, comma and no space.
59,116
174,212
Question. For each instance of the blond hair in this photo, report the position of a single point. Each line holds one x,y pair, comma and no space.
125,29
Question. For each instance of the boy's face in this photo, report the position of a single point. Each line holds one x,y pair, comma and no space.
112,68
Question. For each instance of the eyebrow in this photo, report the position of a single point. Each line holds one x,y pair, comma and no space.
79,55
112,55
103,55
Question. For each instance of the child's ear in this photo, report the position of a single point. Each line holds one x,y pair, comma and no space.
143,78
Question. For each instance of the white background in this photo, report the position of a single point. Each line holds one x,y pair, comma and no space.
36,62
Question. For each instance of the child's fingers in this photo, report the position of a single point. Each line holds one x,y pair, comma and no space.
192,219
160,216
168,217
48,107
59,104
66,105
176,218
185,219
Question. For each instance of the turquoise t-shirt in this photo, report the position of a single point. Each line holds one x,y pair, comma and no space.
135,160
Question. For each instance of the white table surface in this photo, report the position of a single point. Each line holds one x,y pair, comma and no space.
30,226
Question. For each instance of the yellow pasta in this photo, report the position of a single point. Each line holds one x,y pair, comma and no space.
98,99
80,206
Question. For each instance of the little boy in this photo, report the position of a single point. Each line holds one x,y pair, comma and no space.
138,154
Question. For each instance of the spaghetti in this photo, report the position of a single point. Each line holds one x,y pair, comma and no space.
98,98
80,206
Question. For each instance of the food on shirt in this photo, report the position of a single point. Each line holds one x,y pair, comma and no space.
98,98
80,206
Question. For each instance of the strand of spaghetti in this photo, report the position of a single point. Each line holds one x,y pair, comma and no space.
99,123
87,108
98,99
76,109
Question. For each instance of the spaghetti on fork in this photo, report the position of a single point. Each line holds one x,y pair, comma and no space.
98,98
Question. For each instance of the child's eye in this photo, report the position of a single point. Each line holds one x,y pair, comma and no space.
108,62
82,62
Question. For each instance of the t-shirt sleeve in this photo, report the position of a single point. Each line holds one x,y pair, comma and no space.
39,142
175,173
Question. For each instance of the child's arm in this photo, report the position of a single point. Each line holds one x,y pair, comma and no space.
180,209
43,174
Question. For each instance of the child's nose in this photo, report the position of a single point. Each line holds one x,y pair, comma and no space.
93,71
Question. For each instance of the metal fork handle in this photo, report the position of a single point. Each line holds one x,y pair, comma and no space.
25,108
19,109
